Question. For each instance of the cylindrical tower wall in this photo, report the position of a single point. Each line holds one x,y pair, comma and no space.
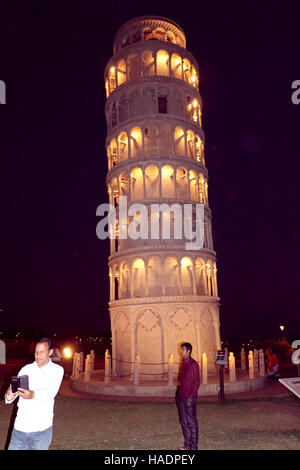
161,293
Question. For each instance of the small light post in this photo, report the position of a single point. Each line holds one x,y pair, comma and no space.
67,354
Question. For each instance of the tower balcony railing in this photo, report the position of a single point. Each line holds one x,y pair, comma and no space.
164,299
150,60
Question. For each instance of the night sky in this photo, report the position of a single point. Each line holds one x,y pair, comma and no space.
53,268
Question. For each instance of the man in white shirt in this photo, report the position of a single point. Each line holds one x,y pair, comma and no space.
33,423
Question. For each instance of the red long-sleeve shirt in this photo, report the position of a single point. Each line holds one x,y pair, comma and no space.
190,379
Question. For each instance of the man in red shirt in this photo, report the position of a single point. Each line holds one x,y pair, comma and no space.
187,398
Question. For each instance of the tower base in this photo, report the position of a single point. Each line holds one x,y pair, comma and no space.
153,328
147,388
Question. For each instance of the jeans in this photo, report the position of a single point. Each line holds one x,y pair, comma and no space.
188,420
30,440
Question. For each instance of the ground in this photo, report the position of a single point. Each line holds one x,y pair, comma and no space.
266,424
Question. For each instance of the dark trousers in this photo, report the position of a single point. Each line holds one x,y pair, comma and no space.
188,420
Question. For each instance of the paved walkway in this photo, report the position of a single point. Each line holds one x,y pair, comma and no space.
274,389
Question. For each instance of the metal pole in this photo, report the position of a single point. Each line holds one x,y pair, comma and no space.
221,382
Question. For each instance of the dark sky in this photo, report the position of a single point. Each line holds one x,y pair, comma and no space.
53,162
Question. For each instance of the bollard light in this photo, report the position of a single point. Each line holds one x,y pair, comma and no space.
67,353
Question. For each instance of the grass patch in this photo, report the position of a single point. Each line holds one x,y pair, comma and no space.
95,424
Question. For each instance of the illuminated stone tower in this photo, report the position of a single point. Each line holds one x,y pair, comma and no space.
161,294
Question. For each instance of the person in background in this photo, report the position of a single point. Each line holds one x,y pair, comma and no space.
56,355
187,398
33,424
272,365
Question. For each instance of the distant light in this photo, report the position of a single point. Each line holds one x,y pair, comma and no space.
282,327
67,352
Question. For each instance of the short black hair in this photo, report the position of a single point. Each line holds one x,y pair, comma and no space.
45,340
188,346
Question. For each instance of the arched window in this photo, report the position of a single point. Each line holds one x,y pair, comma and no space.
115,192
195,111
179,142
107,88
199,149
193,79
201,189
124,184
113,153
162,63
124,281
167,182
123,146
148,61
176,66
186,275
171,276
182,183
136,142
154,276
206,191
186,70
137,184
121,72
112,78
200,277
152,182
138,278
193,185
191,150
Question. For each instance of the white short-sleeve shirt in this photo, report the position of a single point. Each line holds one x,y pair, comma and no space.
36,414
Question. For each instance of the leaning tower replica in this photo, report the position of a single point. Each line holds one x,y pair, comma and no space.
161,293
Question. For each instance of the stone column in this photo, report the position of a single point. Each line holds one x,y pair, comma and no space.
243,359
76,366
92,354
251,365
255,360
170,370
204,368
232,374
136,377
262,371
194,277
87,370
107,370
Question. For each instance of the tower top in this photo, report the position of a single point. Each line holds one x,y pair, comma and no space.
149,27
